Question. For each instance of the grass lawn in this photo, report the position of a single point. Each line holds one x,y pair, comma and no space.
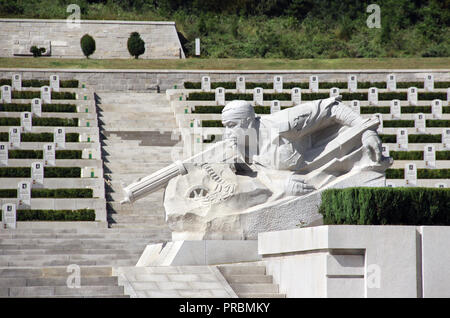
229,64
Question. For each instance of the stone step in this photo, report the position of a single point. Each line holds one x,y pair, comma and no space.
76,246
70,241
58,251
115,262
107,236
17,258
35,272
243,270
261,295
254,288
50,291
249,279
57,281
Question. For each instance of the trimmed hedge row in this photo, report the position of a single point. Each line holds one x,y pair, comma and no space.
51,193
421,173
39,154
40,83
49,172
406,155
208,96
383,206
33,94
305,85
41,121
218,109
437,123
40,137
55,215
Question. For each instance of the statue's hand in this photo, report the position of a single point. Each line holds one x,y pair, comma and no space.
372,145
295,185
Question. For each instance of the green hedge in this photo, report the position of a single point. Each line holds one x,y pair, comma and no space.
383,206
406,155
49,172
47,137
388,139
416,109
421,173
40,83
212,123
443,155
375,109
432,95
56,215
41,121
437,123
38,154
51,193
398,123
423,139
35,94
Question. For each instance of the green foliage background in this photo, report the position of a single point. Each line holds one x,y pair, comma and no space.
291,29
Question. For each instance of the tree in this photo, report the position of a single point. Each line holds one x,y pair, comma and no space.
87,45
37,51
136,46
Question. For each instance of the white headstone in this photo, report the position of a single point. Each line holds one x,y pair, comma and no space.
258,96
49,154
402,138
419,122
436,108
429,155
36,106
410,174
37,174
46,94
206,84
314,83
429,82
59,137
373,96
3,154
197,46
14,137
9,215
385,150
278,84
334,92
356,106
441,185
26,121
240,84
396,109
391,82
380,127
446,138
54,83
352,83
17,82
6,94
448,96
220,96
412,96
275,106
24,194
296,96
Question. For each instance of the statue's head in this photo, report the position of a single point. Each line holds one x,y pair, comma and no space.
238,114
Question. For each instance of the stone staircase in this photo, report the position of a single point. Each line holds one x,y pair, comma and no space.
33,262
250,281
136,129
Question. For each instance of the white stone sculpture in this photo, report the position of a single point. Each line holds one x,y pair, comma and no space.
268,172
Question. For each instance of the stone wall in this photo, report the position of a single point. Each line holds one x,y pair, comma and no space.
142,80
18,35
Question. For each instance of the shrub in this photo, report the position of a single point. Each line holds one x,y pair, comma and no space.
437,123
62,193
135,44
416,109
423,139
443,155
87,43
55,122
37,51
8,193
49,172
375,109
38,154
212,123
406,155
382,206
48,108
398,123
55,215
391,139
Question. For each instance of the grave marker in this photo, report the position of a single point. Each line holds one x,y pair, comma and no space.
402,138
396,109
412,96
334,92
240,84
36,106
6,94
54,83
296,96
419,122
429,155
59,137
49,154
258,96
352,83
436,108
26,121
446,138
356,106
220,96
17,82
314,83
391,82
429,82
373,96
278,84
275,106
24,195
14,137
3,154
46,95
9,216
37,174
411,174
206,84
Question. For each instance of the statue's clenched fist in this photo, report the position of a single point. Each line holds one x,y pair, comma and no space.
295,185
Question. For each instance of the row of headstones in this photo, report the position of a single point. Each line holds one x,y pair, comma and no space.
429,153
17,82
402,140
411,177
6,94
352,83
419,122
296,95
59,136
